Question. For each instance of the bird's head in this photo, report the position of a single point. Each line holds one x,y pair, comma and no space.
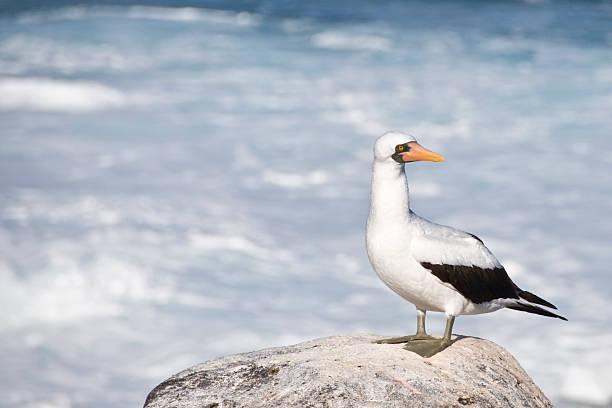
402,148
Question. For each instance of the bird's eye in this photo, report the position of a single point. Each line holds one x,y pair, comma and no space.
400,148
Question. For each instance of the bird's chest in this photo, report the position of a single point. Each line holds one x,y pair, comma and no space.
391,258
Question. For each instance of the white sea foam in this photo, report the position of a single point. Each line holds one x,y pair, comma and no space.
588,384
425,189
64,13
69,290
339,40
52,95
295,180
178,14
208,242
56,400
191,14
358,110
37,301
22,53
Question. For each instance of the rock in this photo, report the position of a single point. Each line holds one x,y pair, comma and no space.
351,371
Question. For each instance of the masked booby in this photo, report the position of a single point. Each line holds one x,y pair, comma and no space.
435,267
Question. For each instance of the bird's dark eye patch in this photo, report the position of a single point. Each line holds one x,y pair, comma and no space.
403,148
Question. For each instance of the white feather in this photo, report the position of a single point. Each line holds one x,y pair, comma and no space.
439,244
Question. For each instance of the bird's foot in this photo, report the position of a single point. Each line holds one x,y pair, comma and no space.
427,347
404,339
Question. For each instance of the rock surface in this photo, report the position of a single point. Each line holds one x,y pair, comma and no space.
351,371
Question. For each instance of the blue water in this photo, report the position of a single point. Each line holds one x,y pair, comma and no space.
178,184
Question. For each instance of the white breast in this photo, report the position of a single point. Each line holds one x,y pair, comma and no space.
389,250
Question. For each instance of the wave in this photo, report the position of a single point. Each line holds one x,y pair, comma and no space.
295,180
178,14
339,40
52,95
22,53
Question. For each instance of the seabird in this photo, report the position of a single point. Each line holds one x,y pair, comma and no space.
435,267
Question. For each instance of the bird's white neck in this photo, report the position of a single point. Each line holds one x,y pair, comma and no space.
389,199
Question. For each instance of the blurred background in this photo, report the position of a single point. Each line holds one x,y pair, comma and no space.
185,180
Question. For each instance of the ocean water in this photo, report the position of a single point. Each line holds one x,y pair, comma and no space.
180,183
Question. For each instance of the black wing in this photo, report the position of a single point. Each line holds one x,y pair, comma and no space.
476,284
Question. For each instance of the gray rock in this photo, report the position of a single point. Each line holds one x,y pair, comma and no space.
351,371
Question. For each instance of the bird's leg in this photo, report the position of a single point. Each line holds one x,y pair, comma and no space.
421,323
448,330
429,346
421,334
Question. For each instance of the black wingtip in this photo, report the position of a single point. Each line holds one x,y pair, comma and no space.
530,297
535,309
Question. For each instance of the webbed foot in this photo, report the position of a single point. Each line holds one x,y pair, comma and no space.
427,347
421,343
404,339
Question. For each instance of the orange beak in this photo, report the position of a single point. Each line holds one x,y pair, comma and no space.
419,153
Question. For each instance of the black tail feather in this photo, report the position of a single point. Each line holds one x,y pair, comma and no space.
530,297
534,309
